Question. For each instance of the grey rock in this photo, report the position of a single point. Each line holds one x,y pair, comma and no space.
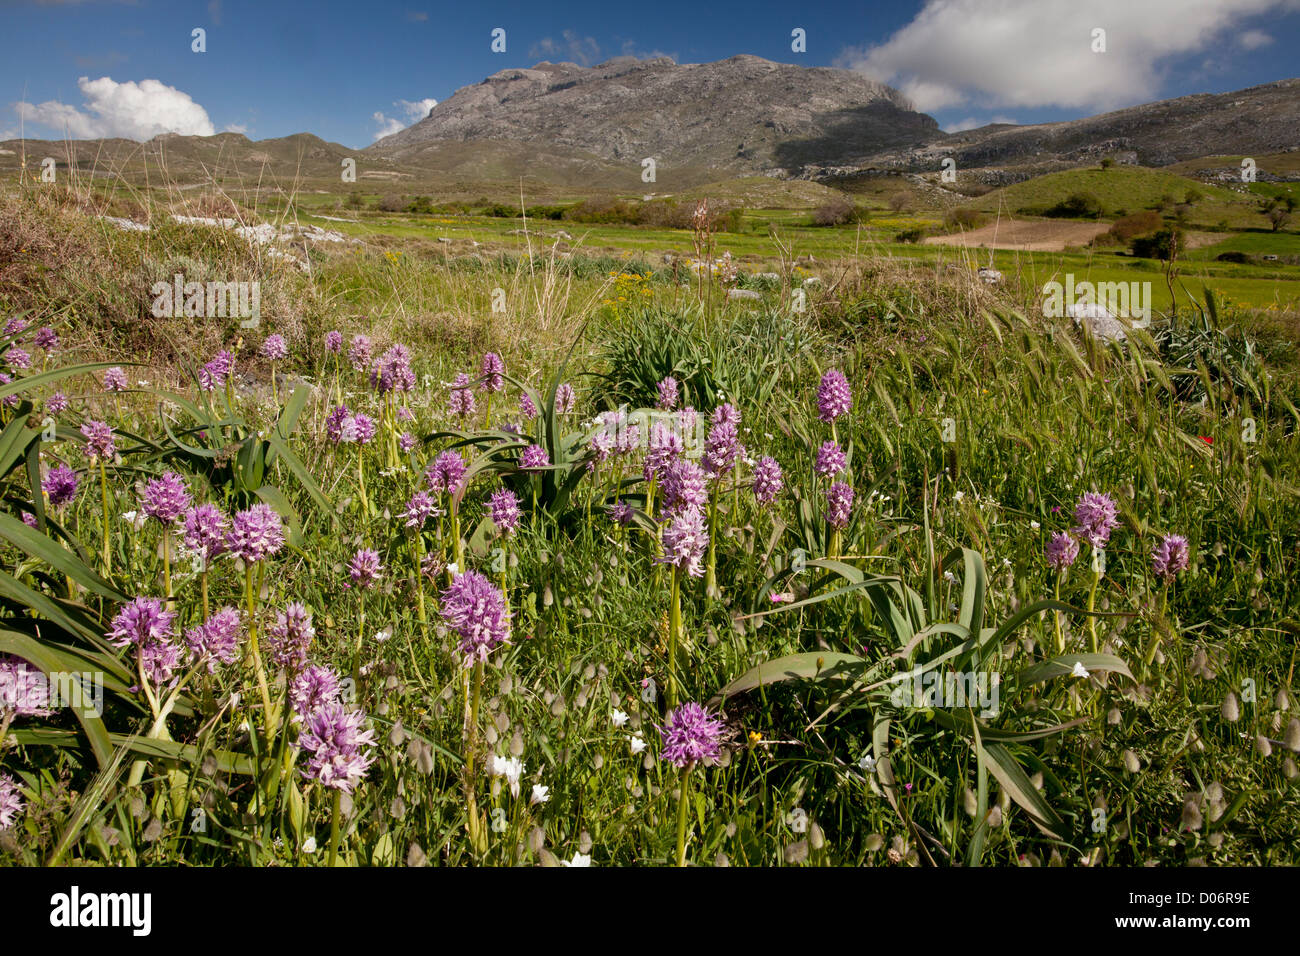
744,114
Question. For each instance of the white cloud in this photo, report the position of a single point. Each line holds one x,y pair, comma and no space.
130,110
1030,53
418,109
387,125
630,48
1253,39
235,128
971,122
571,47
414,110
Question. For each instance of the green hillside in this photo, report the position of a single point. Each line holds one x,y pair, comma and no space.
1126,190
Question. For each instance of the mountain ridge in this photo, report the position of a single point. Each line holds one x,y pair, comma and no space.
591,127
744,114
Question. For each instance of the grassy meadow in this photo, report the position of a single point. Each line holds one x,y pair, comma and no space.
872,565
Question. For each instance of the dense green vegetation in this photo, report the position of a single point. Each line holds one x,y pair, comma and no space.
1144,710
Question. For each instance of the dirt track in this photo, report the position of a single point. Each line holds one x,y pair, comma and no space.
1031,236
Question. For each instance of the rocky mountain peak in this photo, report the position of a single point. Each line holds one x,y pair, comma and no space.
742,115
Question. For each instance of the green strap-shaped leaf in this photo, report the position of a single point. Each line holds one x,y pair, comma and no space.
51,661
14,441
60,559
981,800
564,493
869,585
227,762
1012,776
812,665
34,483
847,571
961,722
56,530
250,464
196,413
974,585
957,630
44,606
1011,624
1063,666
900,627
292,409
299,470
54,375
184,446
92,797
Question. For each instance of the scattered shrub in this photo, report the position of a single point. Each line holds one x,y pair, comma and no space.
835,212
660,213
1139,224
602,211
1075,206
901,201
1161,245
963,218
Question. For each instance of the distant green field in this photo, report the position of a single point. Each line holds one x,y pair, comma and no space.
1279,164
1124,190
1253,243
1267,286
1250,285
1283,294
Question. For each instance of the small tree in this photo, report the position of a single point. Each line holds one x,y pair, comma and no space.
1278,211
900,201
1278,217
1139,224
1162,245
1076,206
834,212
963,218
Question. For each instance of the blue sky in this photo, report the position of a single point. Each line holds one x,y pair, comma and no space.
348,70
